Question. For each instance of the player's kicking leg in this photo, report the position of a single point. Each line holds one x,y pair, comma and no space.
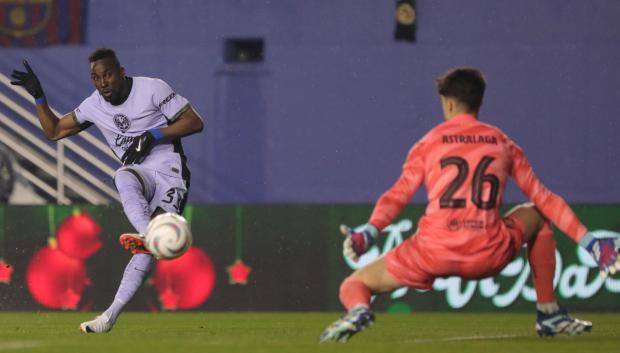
551,319
131,187
355,293
135,273
141,263
133,243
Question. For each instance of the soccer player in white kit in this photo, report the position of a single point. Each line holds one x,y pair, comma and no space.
142,120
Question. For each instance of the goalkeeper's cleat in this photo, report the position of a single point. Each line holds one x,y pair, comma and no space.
603,246
100,324
133,243
356,320
560,322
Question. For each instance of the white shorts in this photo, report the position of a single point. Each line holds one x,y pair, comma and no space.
167,192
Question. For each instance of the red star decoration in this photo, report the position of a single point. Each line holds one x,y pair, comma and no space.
238,272
6,271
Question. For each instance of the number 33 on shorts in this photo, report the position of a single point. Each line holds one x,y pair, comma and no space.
173,197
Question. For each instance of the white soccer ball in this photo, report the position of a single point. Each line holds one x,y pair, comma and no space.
168,236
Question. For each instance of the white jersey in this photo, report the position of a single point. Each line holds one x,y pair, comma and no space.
151,104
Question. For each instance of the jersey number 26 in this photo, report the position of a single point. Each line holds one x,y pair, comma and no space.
447,201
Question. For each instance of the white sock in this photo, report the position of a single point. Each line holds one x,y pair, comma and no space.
547,308
136,271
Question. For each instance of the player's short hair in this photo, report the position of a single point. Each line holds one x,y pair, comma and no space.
465,84
103,53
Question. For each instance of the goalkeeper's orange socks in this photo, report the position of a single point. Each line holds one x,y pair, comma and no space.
541,255
354,292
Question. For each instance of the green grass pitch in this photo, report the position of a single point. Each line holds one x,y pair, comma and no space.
51,332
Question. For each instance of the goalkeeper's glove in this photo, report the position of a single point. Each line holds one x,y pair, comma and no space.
357,243
603,245
30,82
140,147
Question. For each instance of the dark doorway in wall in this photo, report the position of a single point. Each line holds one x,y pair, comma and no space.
244,50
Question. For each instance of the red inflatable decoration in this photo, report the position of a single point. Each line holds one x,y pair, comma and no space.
186,282
6,271
56,280
78,236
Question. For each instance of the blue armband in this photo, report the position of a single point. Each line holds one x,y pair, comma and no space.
40,100
156,133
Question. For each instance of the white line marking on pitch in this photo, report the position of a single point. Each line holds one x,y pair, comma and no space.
17,345
462,338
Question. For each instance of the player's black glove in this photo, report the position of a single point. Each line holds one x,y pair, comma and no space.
30,82
139,149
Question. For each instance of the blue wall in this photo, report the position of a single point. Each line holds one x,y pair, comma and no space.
331,113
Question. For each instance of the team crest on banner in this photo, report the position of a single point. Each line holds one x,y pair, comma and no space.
32,23
19,20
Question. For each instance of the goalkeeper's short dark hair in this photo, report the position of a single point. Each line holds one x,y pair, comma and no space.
103,53
465,84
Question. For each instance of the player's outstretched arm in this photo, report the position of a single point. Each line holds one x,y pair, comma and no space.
393,200
552,206
55,128
603,246
357,243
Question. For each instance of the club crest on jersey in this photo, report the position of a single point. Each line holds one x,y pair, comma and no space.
454,225
122,122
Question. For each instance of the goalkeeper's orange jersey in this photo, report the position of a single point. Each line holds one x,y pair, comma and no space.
464,165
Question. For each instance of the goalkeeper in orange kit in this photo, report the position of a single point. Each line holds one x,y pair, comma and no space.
464,165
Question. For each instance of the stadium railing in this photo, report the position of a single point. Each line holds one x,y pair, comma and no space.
83,177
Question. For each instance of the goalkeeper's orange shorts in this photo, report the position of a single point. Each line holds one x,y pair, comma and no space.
416,264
